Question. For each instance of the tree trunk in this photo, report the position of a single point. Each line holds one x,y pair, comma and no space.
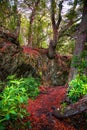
18,26
32,17
55,27
80,42
51,50
53,43
79,48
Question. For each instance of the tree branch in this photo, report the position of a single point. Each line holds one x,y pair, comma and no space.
34,11
53,13
59,17
67,27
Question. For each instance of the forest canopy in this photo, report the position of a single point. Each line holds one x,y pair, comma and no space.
36,22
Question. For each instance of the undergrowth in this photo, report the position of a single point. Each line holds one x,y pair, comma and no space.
79,84
14,98
78,88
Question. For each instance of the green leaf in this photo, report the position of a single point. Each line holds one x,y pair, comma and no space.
14,95
13,112
7,117
2,127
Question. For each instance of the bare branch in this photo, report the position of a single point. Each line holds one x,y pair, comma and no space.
68,26
34,11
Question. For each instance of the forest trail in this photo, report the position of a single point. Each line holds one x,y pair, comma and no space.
40,110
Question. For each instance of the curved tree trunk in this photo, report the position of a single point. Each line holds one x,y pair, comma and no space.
55,27
80,42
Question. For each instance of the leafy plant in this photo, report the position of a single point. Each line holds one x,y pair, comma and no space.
11,102
78,88
15,96
30,84
63,106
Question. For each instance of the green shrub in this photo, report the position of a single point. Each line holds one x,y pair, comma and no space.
30,84
14,96
78,88
11,102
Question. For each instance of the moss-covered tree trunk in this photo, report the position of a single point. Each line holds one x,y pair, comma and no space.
81,40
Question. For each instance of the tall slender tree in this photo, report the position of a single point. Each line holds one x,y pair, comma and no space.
33,6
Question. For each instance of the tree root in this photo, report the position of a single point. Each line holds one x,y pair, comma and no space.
71,110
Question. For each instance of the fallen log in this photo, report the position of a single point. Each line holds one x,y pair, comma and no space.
71,110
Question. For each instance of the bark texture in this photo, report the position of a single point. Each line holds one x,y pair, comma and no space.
80,42
77,108
55,27
32,17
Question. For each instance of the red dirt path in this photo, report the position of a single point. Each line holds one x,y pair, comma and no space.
41,107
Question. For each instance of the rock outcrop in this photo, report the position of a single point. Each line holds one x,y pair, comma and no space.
24,61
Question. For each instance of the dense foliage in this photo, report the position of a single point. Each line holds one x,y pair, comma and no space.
78,88
14,96
9,16
37,25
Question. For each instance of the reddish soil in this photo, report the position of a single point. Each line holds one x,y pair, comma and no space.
40,110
